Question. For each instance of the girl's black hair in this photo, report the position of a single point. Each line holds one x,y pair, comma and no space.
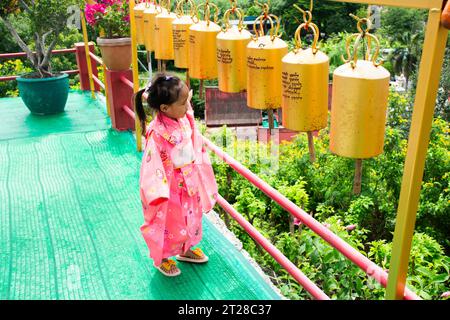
164,89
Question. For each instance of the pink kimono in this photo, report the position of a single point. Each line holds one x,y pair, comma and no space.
177,185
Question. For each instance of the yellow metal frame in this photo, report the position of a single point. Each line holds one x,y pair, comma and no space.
135,65
88,57
419,136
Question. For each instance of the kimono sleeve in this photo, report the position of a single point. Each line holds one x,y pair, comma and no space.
154,187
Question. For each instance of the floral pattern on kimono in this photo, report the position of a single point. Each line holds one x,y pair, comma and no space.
177,185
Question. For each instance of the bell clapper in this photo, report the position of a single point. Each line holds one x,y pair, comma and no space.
149,64
163,65
312,151
270,119
358,177
200,93
159,65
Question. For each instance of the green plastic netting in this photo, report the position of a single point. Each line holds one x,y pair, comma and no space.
70,215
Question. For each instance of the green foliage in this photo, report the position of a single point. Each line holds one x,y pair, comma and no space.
399,112
396,22
8,7
428,266
324,189
334,47
433,214
49,14
46,20
20,23
11,68
331,17
443,103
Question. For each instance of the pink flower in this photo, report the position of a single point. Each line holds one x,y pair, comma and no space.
350,227
297,221
92,11
109,2
445,294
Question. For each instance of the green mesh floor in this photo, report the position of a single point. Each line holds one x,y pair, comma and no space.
70,215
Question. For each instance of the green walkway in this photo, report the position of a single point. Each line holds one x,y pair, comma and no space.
70,215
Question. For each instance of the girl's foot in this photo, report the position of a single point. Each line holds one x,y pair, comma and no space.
169,268
194,256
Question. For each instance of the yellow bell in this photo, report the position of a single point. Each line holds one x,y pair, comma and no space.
180,29
264,54
164,36
305,86
359,101
358,110
138,16
202,46
231,53
264,72
149,15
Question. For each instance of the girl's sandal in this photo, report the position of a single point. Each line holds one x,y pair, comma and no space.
167,266
194,256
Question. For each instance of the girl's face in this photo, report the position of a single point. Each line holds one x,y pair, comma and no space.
179,108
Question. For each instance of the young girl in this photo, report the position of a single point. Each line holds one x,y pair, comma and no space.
177,182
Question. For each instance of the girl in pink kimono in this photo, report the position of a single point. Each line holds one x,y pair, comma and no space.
177,182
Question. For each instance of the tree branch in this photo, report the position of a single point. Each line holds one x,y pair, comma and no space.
49,50
38,53
19,40
43,40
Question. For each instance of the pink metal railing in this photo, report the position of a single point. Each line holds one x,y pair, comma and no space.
97,59
370,268
129,111
127,82
98,81
273,251
23,54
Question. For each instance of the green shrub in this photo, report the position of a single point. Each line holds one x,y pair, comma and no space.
324,189
11,68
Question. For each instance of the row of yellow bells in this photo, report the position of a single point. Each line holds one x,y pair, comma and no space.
273,77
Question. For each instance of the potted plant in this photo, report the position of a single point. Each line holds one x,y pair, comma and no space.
43,91
112,21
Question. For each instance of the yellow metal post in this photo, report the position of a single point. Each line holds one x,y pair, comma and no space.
106,90
135,71
88,57
428,83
